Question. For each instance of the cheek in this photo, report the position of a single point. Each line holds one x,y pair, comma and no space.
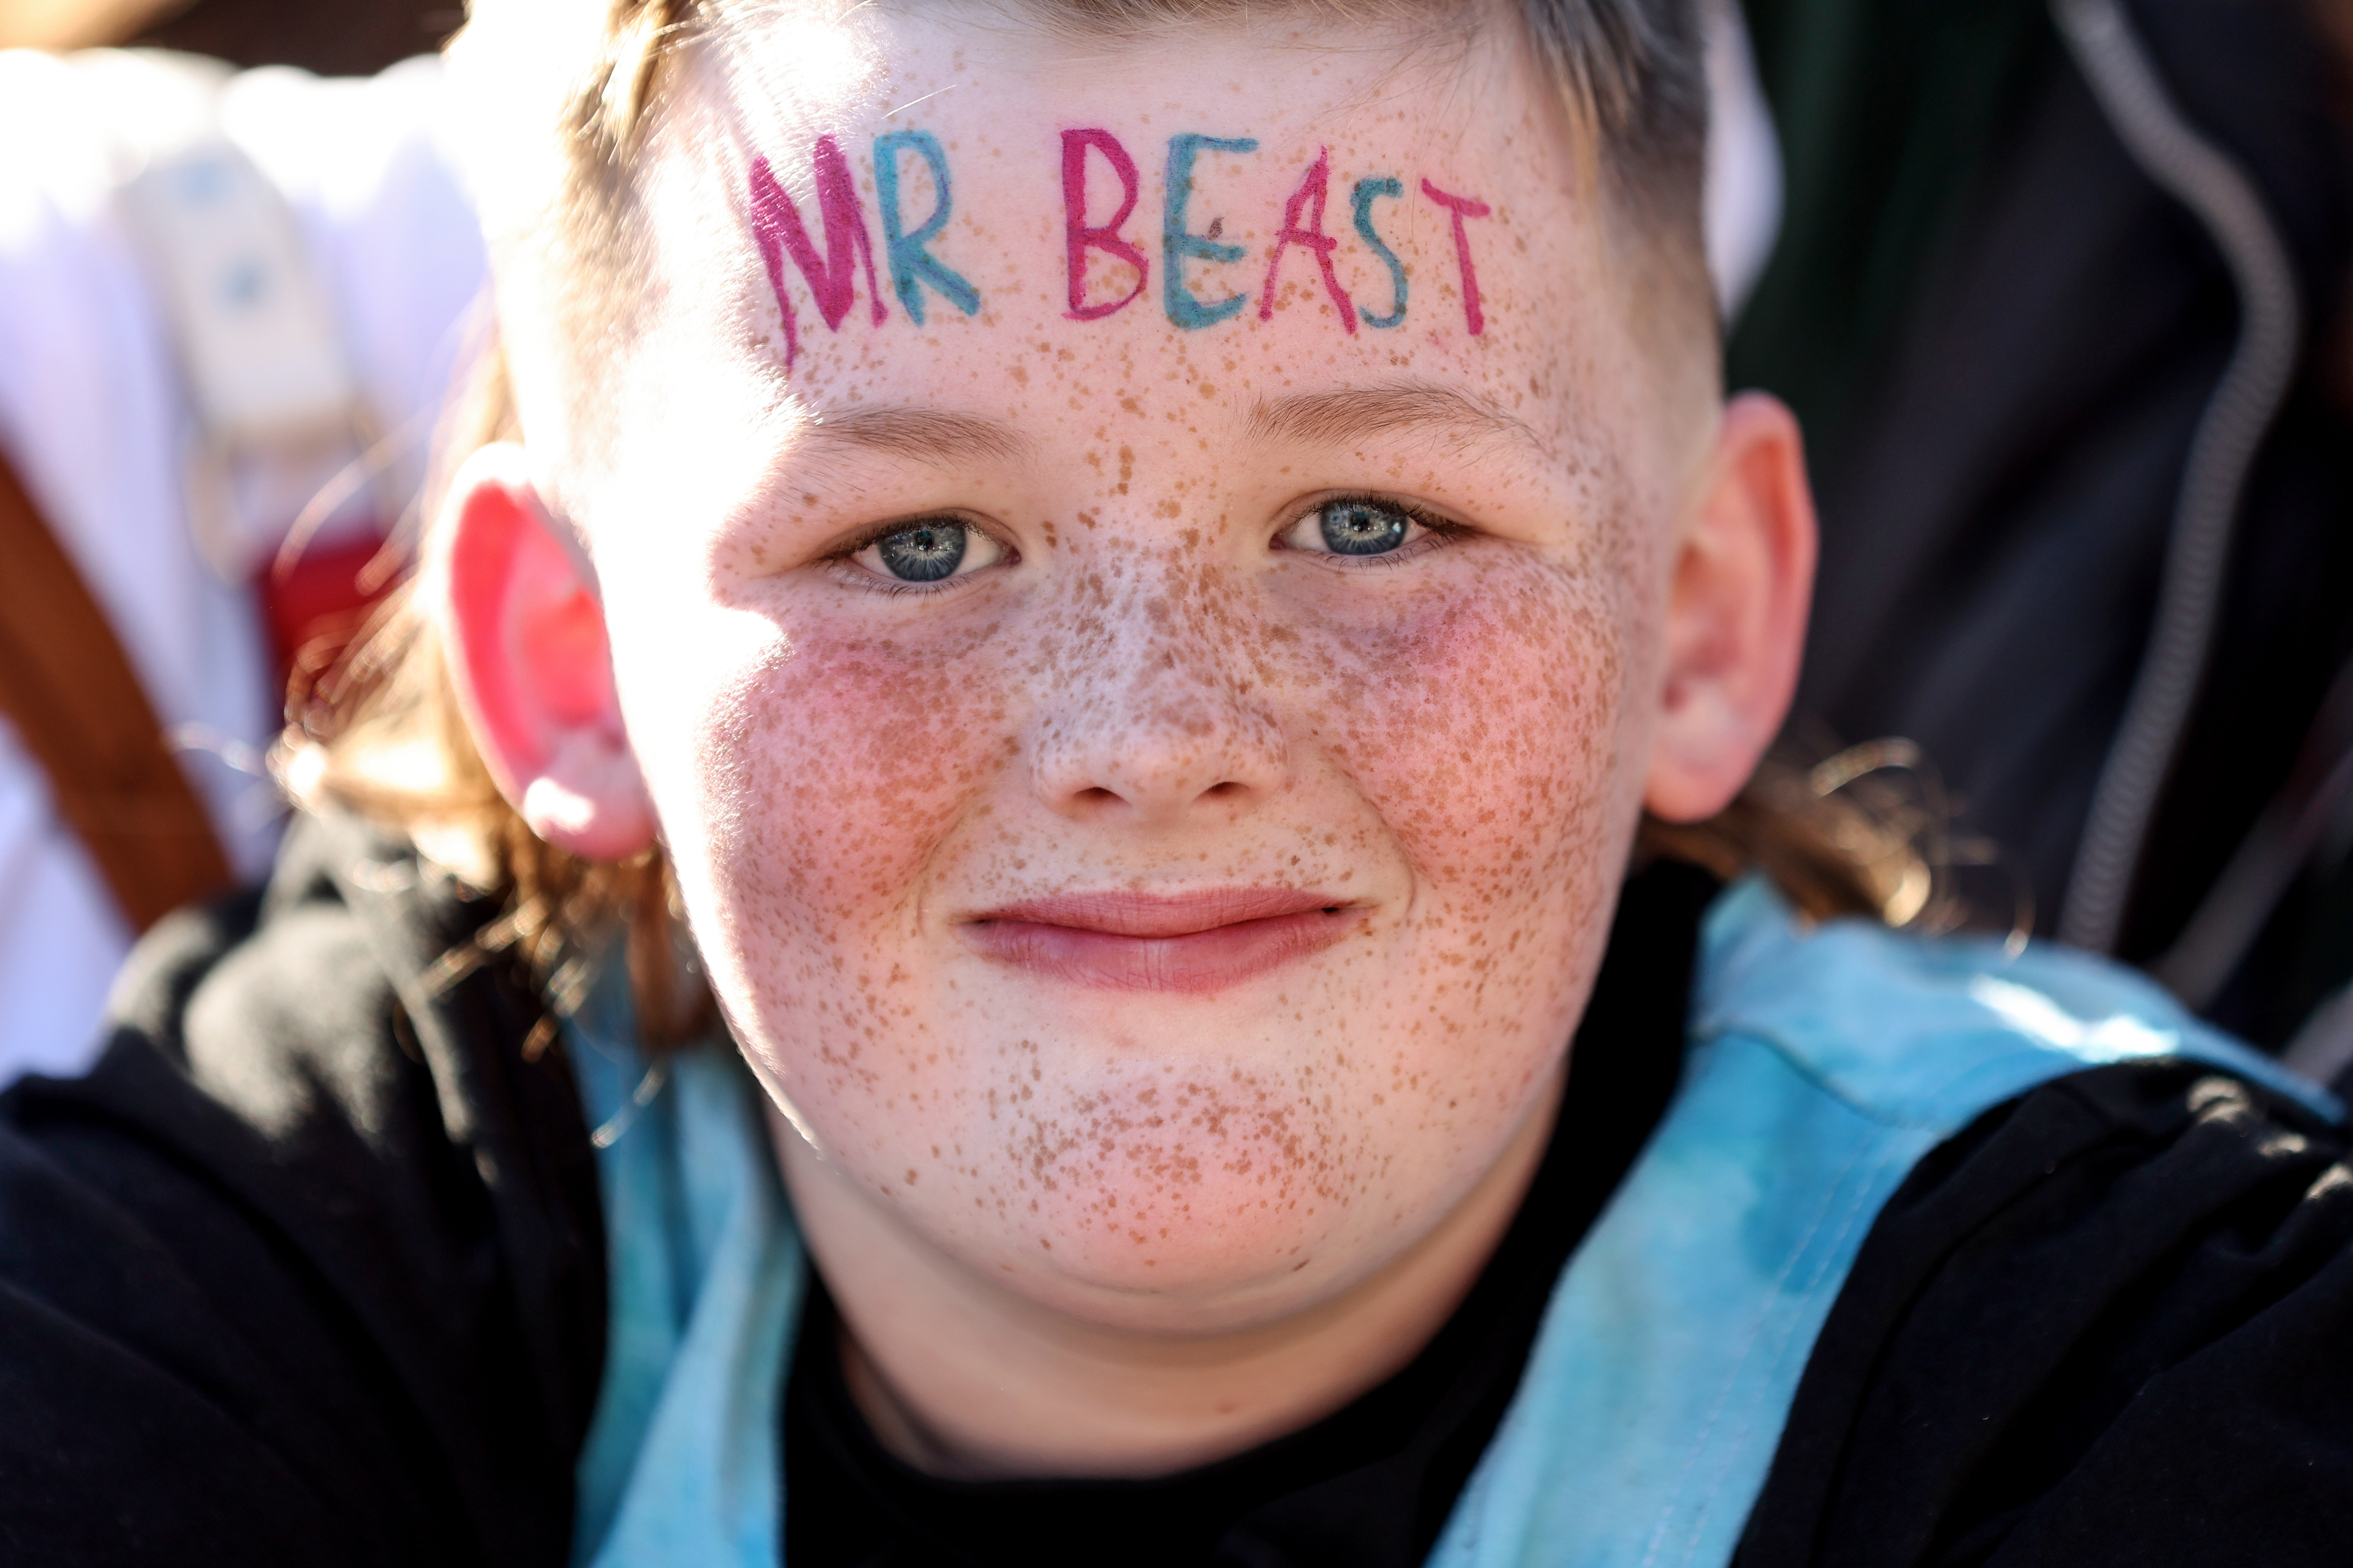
1486,728
803,779
835,776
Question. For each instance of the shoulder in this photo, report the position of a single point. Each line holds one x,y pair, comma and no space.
309,1268
2104,1319
1930,1032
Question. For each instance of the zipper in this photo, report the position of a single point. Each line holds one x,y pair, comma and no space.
2203,178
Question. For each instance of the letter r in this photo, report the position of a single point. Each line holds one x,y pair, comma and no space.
911,263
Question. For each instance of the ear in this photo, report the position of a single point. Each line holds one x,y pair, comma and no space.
520,616
1735,623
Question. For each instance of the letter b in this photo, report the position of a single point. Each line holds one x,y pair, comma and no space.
1082,236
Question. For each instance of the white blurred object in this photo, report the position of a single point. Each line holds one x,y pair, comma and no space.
278,409
1742,204
265,364
112,373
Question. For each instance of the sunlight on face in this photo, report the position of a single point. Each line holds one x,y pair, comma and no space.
1134,573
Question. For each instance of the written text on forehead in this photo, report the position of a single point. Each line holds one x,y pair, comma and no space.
1108,255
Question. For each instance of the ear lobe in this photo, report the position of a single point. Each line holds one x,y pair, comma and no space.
532,662
1736,622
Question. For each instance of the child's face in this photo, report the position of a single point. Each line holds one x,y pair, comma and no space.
1171,910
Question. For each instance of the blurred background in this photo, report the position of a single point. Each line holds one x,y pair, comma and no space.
357,39
2059,290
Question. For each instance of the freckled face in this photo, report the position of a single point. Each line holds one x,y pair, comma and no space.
949,639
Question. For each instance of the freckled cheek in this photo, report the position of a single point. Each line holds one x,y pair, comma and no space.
842,769
1483,726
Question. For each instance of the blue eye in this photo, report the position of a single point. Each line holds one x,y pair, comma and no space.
924,554
931,551
1361,527
1353,526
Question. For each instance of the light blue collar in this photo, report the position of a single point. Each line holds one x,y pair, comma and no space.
1824,1064
683,1462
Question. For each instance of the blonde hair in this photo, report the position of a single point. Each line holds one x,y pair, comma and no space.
382,733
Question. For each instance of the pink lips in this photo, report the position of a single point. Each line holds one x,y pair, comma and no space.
1147,942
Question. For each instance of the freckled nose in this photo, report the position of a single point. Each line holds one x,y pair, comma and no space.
1157,711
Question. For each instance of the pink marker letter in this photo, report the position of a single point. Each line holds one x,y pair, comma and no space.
1310,195
1080,236
777,225
1462,207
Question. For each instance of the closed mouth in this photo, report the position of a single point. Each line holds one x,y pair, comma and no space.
1194,941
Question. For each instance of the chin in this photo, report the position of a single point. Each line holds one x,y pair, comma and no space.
1197,1272
1165,1164
1183,1192
1131,1231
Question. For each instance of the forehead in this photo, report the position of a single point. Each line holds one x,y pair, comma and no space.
1208,230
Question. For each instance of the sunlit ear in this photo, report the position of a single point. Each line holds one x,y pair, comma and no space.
526,630
1736,612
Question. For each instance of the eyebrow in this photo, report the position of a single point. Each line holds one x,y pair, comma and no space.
932,435
945,439
1330,418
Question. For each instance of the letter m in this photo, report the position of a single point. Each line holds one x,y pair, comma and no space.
777,225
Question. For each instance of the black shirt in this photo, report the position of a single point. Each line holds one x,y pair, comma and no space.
309,1270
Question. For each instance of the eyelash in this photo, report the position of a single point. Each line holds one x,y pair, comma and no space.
843,565
1437,533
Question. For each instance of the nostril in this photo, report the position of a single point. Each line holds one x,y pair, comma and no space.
1098,795
1225,791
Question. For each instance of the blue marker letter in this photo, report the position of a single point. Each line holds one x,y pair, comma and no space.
1367,192
1176,244
909,260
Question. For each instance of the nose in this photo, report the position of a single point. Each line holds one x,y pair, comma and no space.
1155,706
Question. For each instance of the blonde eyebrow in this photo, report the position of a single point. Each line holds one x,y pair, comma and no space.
1339,418
931,436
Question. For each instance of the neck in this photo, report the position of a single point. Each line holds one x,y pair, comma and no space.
960,1376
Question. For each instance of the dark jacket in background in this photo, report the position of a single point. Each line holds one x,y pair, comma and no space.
2000,334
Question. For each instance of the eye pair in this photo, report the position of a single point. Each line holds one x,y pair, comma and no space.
937,549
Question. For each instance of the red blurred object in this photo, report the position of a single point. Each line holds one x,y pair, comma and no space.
318,605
